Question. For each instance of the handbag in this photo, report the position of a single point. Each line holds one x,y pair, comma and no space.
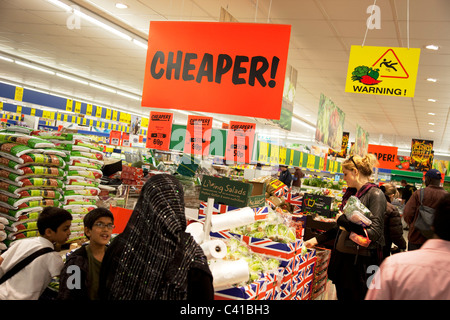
23,263
424,219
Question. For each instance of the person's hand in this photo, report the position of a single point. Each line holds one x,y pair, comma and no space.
340,213
311,243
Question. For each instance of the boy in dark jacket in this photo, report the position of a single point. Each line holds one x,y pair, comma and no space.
80,275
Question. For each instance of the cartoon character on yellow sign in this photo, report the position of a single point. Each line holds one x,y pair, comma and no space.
382,71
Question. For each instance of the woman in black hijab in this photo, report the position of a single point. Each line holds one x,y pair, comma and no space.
154,258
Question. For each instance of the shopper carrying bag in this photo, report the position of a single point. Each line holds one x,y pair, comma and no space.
350,260
432,193
28,266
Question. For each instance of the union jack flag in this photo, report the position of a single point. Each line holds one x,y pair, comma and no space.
260,213
286,290
296,208
282,251
306,294
271,284
280,188
295,198
247,292
218,208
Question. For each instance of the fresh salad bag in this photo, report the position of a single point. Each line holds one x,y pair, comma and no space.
358,213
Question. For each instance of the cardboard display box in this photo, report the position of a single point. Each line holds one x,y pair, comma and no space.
293,279
283,284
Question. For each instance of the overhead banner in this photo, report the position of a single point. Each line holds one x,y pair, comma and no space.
344,146
240,139
330,123
361,142
228,68
159,130
198,135
422,155
387,71
386,156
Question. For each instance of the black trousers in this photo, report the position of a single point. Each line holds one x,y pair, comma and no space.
350,274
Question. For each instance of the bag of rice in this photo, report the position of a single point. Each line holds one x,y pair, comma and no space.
84,191
13,151
57,135
84,164
88,174
32,142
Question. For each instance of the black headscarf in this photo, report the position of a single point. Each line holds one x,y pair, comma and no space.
151,259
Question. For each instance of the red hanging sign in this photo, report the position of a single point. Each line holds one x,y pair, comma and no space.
198,135
228,68
240,140
159,130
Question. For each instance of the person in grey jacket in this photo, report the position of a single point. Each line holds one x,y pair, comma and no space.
352,264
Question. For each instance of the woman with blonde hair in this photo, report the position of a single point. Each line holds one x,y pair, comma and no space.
393,228
350,261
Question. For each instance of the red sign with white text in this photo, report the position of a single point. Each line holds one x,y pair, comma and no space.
159,130
198,135
227,68
240,142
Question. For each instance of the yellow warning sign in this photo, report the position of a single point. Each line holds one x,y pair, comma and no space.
382,70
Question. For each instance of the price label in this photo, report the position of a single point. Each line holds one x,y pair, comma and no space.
263,151
291,158
18,94
321,163
69,105
311,161
77,107
274,154
114,115
19,109
33,112
108,114
89,110
98,112
282,155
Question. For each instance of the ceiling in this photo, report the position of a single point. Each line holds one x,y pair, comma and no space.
322,33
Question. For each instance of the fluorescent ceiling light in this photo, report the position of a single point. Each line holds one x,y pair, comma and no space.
72,78
103,25
6,59
441,154
60,4
430,130
128,95
102,87
140,44
34,67
431,113
432,100
121,5
99,23
432,47
431,123
303,123
432,79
